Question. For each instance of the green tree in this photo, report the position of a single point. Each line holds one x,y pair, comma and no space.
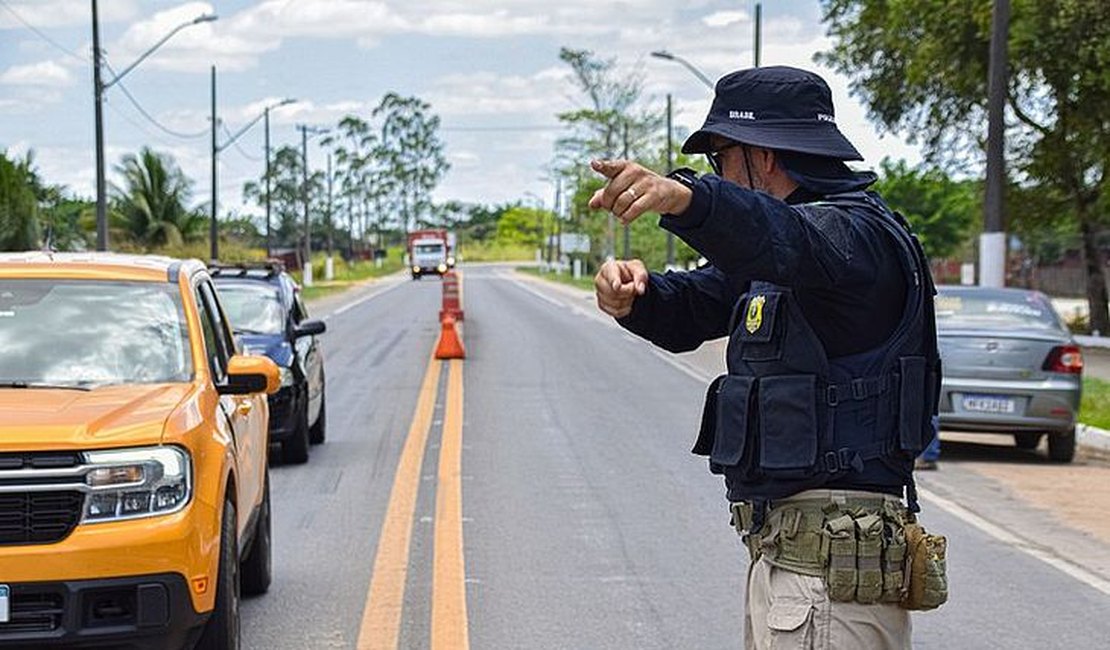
152,204
412,154
286,198
940,209
921,66
18,206
615,121
524,226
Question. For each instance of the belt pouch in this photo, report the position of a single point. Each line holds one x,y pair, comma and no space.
926,558
869,548
894,560
841,579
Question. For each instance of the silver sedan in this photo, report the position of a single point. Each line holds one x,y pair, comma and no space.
1010,366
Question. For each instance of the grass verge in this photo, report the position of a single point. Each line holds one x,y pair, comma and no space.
346,275
1095,407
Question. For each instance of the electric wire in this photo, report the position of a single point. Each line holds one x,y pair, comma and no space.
150,118
42,35
235,143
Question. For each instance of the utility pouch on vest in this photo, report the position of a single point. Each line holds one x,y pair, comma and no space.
788,425
912,419
869,549
926,560
894,562
708,430
841,577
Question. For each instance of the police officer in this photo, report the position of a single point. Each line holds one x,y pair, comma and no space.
832,366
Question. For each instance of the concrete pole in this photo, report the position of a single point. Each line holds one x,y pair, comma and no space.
213,230
98,104
992,243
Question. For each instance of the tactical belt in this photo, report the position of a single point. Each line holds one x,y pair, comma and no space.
855,540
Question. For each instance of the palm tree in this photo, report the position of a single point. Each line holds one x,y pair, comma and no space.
18,207
151,205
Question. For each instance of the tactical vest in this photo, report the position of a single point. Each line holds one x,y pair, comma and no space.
787,418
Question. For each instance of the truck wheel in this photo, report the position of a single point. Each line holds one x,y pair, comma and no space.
319,431
1027,440
221,632
1061,446
256,570
294,449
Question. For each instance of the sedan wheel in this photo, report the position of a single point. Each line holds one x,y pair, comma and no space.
1061,446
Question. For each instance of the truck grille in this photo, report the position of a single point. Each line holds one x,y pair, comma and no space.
34,612
38,517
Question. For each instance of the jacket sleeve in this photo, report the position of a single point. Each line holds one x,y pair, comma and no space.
748,234
683,309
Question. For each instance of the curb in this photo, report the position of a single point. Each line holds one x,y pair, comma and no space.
1092,437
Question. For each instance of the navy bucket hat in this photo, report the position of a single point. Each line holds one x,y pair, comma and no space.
775,107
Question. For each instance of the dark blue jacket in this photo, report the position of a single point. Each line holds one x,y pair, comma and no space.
846,280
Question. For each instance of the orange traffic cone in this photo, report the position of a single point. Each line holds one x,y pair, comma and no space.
449,346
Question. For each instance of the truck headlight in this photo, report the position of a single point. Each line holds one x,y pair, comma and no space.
415,269
442,268
451,261
136,482
286,376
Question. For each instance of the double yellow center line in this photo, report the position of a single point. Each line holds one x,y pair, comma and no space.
381,619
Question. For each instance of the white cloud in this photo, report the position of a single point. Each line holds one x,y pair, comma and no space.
725,18
488,93
65,13
48,74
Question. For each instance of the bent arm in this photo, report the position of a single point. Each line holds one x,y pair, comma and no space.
681,310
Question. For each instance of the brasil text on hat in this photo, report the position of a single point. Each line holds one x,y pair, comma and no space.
775,107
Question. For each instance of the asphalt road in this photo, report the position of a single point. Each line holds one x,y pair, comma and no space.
585,521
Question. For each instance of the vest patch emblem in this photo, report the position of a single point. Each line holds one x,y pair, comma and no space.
754,319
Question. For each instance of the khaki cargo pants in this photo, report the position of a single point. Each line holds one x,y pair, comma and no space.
790,610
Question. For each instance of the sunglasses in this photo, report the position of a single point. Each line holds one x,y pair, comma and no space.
715,156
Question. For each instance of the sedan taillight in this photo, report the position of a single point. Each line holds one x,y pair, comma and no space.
1064,358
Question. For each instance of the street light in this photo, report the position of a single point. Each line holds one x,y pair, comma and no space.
98,99
306,272
213,230
663,54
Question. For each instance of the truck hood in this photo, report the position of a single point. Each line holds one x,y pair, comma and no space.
43,419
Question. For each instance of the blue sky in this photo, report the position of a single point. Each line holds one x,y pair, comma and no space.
480,63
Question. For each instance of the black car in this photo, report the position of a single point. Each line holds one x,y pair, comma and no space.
265,309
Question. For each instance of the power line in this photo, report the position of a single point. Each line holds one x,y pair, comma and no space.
41,35
149,117
235,143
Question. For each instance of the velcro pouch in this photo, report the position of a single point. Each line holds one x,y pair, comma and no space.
733,399
927,569
707,432
788,424
869,549
841,577
912,420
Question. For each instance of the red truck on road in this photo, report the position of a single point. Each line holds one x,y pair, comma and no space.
431,250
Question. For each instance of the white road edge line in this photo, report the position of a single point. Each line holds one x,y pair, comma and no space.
351,305
1088,578
609,322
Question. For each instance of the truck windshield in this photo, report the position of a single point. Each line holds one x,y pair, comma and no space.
85,333
429,248
252,307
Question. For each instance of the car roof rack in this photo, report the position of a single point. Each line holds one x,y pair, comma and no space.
268,269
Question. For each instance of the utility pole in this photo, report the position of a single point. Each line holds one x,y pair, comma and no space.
670,168
306,273
269,228
992,243
213,233
98,101
329,268
627,229
758,36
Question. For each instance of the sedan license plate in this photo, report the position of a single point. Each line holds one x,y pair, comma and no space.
5,604
989,404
